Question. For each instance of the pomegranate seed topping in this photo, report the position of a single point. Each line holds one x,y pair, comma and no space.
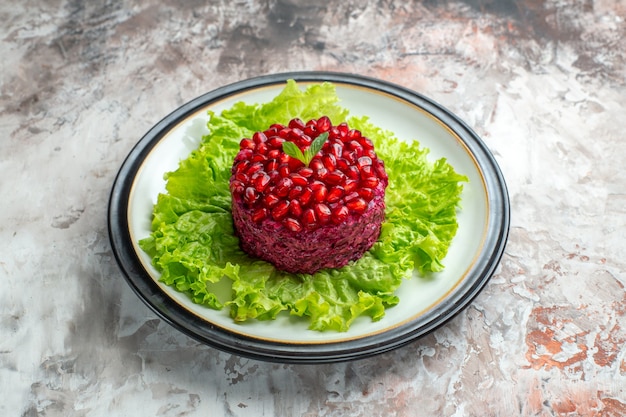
259,214
255,167
250,195
380,169
241,177
273,154
296,124
270,200
329,161
322,211
339,214
343,165
354,134
321,174
366,143
276,142
353,173
323,124
295,192
351,196
309,219
337,183
335,194
363,161
305,197
246,144
319,191
350,185
260,181
295,208
298,180
366,193
371,182
283,187
271,165
358,205
283,170
292,224
367,172
280,210
336,178
306,172
316,164
336,149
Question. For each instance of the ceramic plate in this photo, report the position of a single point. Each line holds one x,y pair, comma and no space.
425,303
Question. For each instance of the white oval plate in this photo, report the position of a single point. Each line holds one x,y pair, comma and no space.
425,303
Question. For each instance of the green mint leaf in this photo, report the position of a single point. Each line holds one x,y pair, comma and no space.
292,150
315,147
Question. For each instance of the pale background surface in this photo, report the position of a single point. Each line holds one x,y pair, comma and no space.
542,81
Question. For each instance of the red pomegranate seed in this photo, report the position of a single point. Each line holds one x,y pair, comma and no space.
320,174
250,195
260,181
322,211
292,224
241,177
354,134
274,154
371,182
353,173
295,208
275,142
366,143
271,165
309,219
241,167
280,210
258,157
323,124
298,180
295,192
270,200
339,214
336,149
246,144
336,178
329,161
296,123
305,197
283,186
255,167
350,185
343,164
363,161
335,194
316,164
284,170
349,156
259,215
244,155
358,205
259,137
366,193
380,169
262,148
351,196
367,172
319,191
236,187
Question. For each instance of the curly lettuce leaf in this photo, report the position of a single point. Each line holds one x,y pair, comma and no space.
194,247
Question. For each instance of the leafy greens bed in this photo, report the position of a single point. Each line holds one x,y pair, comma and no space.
194,247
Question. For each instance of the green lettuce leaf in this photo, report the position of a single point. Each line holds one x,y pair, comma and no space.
194,247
